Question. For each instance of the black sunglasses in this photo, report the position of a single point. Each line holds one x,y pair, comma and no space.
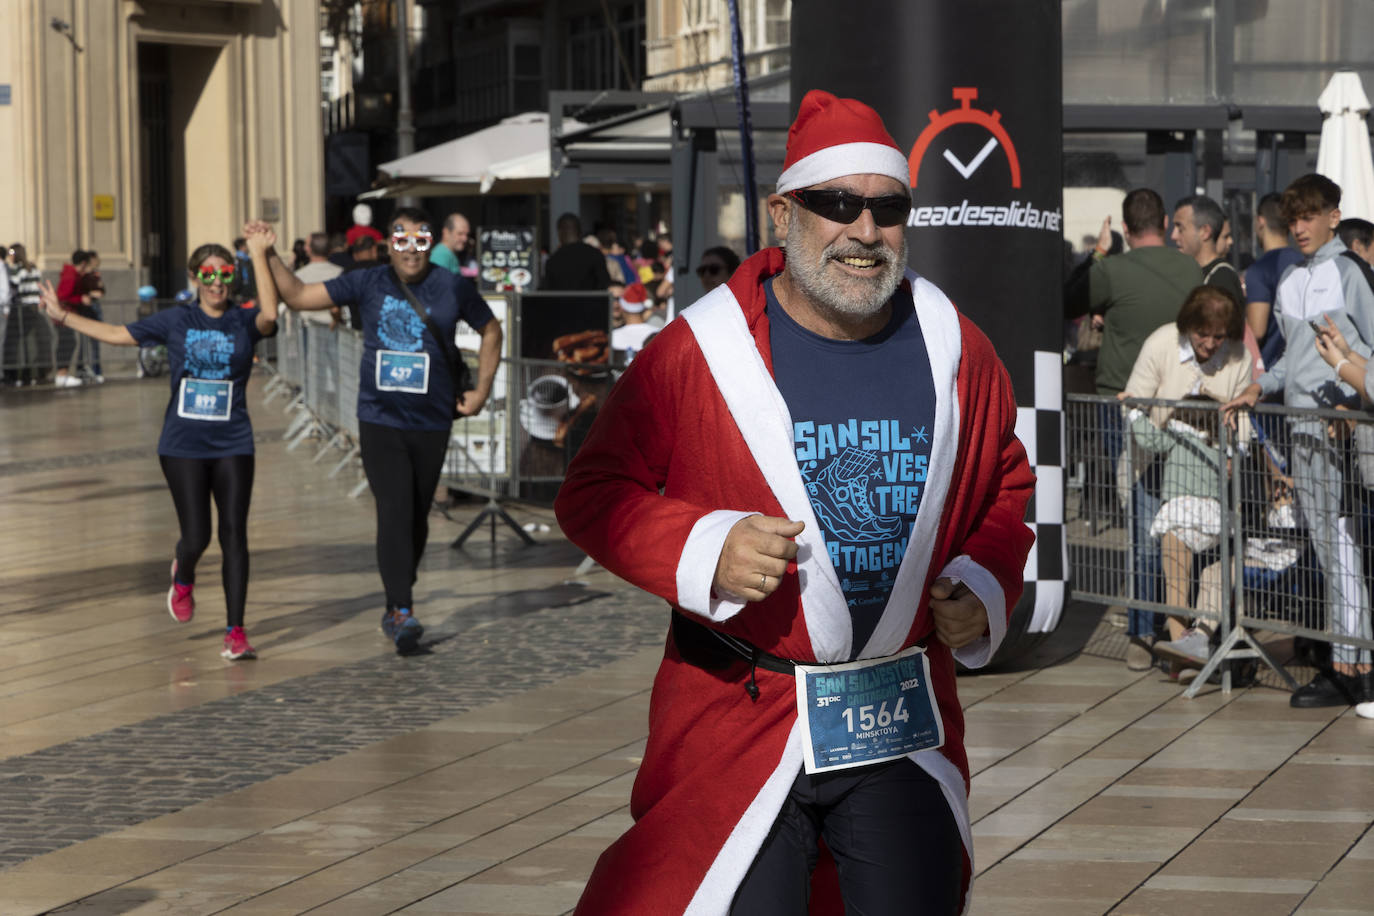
710,269
842,207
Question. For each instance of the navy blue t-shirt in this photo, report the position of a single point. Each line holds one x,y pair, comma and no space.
203,354
863,414
391,328
1262,285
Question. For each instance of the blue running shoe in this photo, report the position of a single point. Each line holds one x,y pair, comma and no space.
401,627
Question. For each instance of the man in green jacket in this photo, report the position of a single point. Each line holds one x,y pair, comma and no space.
1134,293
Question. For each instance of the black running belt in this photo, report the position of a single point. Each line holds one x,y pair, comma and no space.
712,650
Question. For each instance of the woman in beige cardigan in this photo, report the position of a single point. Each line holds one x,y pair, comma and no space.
1203,355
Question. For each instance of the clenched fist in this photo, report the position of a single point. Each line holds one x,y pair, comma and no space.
755,556
960,616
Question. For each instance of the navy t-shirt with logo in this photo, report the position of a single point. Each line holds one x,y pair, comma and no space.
390,327
204,349
863,414
1262,285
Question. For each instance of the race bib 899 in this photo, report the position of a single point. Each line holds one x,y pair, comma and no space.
205,399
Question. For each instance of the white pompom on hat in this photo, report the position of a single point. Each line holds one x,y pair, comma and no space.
635,299
362,215
834,137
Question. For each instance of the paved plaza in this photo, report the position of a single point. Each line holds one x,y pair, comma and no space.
140,773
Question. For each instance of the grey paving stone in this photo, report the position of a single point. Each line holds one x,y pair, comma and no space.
127,775
95,459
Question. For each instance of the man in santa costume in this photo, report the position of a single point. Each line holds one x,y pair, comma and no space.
815,467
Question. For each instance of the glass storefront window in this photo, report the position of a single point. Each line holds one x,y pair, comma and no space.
1163,52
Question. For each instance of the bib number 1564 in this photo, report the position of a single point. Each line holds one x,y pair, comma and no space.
869,720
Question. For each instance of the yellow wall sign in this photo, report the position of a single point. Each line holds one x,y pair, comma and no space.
103,206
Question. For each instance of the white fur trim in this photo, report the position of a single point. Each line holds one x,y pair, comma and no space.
952,785
989,591
845,159
944,344
696,568
717,889
766,425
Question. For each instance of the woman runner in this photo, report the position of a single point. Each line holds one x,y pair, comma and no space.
406,393
206,447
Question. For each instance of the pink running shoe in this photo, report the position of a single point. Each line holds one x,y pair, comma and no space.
236,645
181,604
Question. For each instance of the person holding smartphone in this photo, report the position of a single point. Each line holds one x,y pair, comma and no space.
206,447
1326,288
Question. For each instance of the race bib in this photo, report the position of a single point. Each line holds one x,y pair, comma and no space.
866,712
205,399
408,372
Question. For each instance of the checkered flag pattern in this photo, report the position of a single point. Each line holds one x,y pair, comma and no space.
1041,429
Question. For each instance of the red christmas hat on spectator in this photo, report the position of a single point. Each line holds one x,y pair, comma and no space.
635,298
833,137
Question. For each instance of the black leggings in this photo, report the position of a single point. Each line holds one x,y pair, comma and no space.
230,480
402,467
895,841
90,347
66,346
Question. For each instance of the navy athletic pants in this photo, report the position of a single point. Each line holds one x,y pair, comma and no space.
402,468
895,842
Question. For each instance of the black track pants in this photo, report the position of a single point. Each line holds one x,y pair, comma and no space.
402,467
895,842
193,481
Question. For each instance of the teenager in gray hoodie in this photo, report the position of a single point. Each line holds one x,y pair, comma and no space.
1325,287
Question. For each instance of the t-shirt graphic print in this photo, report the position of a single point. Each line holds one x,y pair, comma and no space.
398,327
864,469
865,479
208,353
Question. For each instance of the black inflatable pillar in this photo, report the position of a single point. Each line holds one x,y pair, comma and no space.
973,90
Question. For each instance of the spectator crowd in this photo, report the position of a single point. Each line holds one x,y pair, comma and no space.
1179,323
1160,311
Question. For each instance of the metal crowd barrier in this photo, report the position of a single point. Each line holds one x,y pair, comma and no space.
1271,528
317,371
29,343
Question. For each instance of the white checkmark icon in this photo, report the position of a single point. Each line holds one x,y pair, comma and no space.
967,170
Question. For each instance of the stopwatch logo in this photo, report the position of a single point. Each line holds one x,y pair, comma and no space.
966,114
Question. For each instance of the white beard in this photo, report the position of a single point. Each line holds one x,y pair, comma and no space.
848,296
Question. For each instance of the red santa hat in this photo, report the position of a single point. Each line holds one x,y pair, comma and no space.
635,299
834,137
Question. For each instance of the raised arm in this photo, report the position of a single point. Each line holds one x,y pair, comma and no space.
302,297
115,334
260,240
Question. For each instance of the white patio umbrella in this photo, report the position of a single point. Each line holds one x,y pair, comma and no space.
510,157
1344,155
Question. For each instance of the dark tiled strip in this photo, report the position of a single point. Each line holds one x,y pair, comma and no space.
84,788
110,456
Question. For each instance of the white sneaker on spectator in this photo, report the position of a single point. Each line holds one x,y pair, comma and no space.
67,381
99,379
1189,649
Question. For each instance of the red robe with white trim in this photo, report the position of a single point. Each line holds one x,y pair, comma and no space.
695,436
